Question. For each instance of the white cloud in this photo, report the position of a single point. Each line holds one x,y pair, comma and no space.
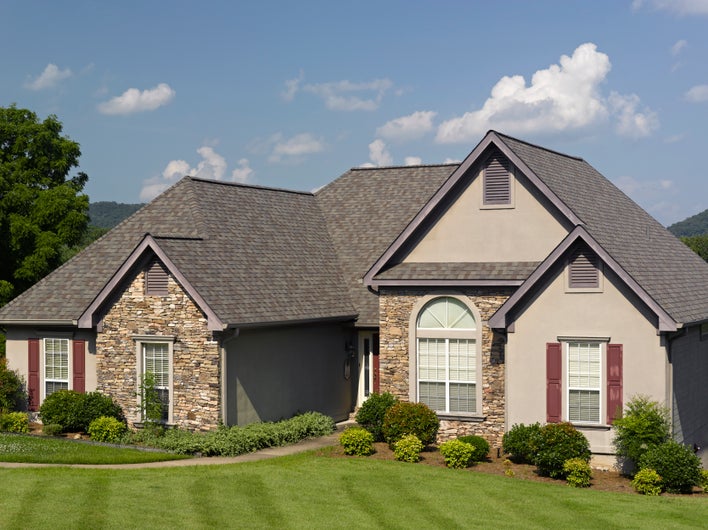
697,94
292,149
134,100
378,153
655,196
406,128
345,95
211,166
49,77
563,97
292,86
413,161
679,7
678,47
452,161
630,122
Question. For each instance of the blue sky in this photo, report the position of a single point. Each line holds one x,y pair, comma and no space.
292,94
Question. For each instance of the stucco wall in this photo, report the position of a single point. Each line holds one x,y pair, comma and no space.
396,363
615,313
467,231
195,365
689,359
275,373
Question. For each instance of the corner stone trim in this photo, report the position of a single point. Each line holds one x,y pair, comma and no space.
395,306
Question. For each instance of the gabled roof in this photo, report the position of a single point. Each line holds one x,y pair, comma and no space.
255,256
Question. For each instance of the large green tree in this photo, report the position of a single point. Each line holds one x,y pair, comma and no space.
699,244
43,212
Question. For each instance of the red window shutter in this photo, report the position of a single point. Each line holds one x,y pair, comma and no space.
79,365
33,374
614,381
554,368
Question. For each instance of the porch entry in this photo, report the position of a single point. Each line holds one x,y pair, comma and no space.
368,365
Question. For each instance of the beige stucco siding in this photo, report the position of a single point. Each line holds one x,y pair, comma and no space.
275,373
614,313
469,232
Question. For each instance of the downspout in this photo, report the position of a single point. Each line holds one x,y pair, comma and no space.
229,335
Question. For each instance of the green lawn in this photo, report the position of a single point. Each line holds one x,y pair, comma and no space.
308,491
46,450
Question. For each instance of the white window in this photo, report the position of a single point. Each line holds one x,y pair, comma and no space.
447,356
584,381
56,365
156,359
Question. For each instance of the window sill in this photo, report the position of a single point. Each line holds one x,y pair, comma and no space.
461,417
592,426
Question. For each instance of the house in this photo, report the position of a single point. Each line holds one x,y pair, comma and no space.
517,286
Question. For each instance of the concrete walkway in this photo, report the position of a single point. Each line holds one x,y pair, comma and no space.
264,454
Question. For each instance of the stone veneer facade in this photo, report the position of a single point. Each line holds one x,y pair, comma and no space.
196,397
395,306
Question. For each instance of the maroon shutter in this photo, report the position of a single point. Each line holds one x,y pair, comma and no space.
614,382
554,367
79,366
33,374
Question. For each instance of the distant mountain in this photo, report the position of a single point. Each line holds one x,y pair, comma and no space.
107,214
695,225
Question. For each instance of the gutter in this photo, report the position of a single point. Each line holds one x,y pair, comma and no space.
34,322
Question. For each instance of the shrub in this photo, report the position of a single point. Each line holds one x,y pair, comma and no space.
577,473
704,480
357,441
410,418
643,425
458,454
52,429
74,411
372,412
676,464
14,422
408,448
12,394
522,442
559,442
107,429
647,482
481,446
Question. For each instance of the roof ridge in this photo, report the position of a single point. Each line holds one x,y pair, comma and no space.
246,185
536,146
370,168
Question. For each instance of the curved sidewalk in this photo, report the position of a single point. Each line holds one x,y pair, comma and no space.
264,454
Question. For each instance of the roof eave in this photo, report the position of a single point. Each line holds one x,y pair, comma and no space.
39,322
375,284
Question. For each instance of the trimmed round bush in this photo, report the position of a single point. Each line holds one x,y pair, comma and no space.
408,448
458,454
644,424
559,442
522,442
410,418
357,441
577,473
372,412
107,429
647,482
676,464
75,411
481,446
14,422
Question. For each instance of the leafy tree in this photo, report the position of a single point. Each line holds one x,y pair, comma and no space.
699,244
42,210
691,226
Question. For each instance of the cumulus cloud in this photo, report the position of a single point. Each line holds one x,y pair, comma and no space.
697,94
679,7
134,100
452,161
412,161
378,154
407,128
341,95
293,149
211,166
49,77
629,121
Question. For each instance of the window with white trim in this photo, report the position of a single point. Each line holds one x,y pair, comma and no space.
447,356
56,365
156,360
584,381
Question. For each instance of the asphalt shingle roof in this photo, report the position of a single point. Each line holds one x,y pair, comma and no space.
515,270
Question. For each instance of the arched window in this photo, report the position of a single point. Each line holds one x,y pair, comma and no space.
446,341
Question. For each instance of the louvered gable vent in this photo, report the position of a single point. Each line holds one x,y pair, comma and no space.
497,180
584,270
156,279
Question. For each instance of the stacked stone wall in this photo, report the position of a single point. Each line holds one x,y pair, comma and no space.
395,307
196,402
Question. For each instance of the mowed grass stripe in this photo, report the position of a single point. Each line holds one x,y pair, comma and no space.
308,491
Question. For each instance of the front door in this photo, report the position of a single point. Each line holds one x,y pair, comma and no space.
368,365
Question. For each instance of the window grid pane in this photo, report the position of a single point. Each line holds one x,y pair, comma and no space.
463,397
584,405
432,394
431,359
463,364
